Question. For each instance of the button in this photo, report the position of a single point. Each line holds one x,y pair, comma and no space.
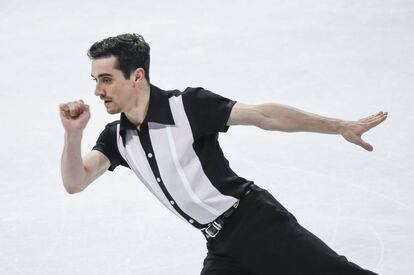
172,202
191,220
158,179
149,155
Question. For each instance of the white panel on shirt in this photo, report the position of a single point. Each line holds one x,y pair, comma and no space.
179,167
136,158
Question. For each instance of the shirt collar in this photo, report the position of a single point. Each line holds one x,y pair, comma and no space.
158,111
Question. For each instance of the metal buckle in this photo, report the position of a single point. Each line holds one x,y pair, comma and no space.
213,229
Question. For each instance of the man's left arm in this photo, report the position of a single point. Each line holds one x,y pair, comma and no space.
279,117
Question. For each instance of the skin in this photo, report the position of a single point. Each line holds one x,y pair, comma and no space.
118,94
131,96
278,117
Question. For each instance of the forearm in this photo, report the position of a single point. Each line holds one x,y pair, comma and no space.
278,117
72,168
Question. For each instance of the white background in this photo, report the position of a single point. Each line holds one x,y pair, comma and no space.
345,59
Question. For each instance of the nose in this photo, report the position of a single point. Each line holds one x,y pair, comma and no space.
98,90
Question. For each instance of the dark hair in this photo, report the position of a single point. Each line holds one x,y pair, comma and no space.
130,49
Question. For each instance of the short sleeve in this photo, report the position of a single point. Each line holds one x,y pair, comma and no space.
107,145
207,112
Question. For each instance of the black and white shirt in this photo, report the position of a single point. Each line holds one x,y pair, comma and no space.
176,153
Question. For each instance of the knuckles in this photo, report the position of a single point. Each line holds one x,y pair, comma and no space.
73,108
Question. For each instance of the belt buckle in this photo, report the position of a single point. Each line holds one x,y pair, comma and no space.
213,229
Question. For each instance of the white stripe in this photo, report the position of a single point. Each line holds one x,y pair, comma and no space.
183,177
135,156
188,160
169,173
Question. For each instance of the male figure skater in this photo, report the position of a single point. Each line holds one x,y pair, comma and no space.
169,139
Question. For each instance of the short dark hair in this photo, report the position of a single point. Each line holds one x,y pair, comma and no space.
130,49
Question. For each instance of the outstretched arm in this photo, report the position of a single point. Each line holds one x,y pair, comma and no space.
278,117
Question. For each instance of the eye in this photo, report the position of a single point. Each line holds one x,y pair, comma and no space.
106,80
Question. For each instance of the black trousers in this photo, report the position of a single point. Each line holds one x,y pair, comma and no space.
262,237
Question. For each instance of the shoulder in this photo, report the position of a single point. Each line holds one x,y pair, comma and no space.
111,126
190,92
199,94
107,144
207,112
165,93
109,132
194,91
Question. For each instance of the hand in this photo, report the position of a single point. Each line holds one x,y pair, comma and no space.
74,116
353,130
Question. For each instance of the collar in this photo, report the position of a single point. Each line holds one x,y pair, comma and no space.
159,111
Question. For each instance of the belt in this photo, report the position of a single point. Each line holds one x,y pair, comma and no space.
215,226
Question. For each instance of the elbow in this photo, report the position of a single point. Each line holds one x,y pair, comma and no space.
271,125
264,125
73,184
72,189
267,124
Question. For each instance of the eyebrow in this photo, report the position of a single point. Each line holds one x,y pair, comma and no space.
101,75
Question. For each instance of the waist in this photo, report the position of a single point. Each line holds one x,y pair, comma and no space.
214,227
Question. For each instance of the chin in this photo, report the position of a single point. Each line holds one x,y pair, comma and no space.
112,112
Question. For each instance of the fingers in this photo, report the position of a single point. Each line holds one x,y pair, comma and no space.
354,130
73,109
372,121
373,117
377,120
64,110
366,145
356,139
359,141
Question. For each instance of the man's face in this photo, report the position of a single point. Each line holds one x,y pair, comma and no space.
111,85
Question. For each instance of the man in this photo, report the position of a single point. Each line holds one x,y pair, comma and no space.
169,139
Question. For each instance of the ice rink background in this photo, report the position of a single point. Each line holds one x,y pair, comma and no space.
344,59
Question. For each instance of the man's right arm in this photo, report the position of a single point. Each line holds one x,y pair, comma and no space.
78,172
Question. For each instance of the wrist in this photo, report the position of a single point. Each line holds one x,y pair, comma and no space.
340,126
73,135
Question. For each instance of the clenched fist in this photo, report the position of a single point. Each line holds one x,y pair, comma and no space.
74,116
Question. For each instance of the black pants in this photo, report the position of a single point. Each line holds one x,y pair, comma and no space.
262,237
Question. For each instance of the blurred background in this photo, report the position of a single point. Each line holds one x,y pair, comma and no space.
345,59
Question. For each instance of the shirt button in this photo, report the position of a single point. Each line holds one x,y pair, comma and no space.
191,220
172,202
158,179
149,155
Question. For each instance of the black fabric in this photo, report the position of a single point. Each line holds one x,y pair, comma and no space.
207,112
217,167
263,238
107,145
159,107
158,110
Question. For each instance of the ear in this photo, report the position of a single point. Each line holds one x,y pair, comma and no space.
138,75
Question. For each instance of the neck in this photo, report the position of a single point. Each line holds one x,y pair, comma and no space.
137,113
